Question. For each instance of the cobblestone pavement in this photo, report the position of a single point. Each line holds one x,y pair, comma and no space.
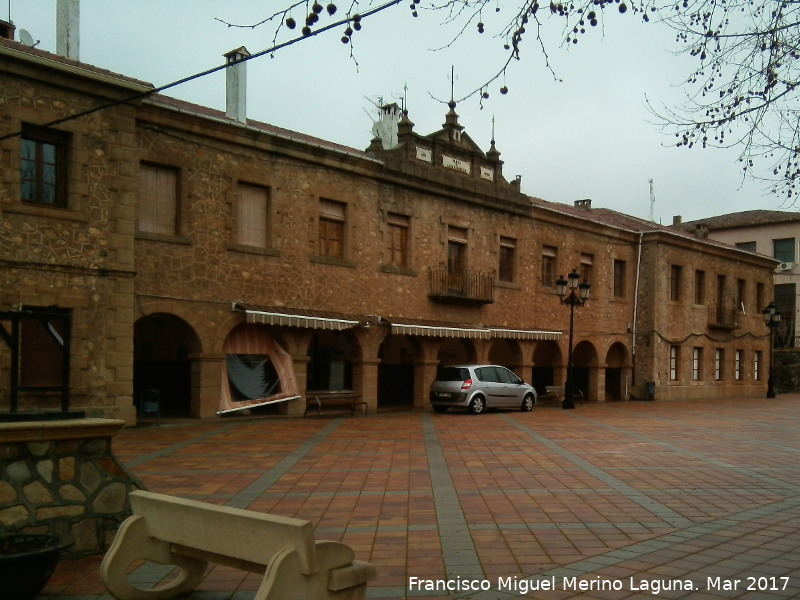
642,500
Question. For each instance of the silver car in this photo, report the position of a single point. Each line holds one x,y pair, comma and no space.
479,387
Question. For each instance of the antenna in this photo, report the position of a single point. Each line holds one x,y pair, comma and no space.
652,199
26,38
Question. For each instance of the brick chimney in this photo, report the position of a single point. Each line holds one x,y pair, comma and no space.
7,30
68,28
236,85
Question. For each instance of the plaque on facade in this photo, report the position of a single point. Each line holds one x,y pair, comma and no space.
456,164
424,154
487,174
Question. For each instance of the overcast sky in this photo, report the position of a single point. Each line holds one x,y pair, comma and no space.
588,135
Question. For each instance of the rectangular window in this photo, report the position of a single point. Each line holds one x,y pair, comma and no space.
674,363
784,249
549,266
749,246
697,363
586,267
158,199
43,167
719,364
43,344
507,267
252,216
699,287
741,290
456,249
398,226
331,228
757,365
619,278
675,282
738,363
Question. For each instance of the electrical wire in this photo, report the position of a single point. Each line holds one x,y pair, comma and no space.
276,47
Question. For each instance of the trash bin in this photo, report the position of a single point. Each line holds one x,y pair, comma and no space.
151,404
650,390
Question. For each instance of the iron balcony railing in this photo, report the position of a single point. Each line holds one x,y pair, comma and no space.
461,286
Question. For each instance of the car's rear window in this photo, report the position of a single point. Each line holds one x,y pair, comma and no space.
452,374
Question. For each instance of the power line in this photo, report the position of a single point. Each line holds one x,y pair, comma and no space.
139,96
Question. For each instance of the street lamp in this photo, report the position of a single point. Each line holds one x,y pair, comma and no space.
772,318
572,294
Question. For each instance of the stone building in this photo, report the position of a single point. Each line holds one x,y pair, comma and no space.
152,244
772,233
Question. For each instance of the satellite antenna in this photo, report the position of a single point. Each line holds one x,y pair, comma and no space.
26,38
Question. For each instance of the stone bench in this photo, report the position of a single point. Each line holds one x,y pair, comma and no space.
190,534
345,399
557,392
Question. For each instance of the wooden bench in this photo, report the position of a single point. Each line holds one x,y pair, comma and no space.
189,534
556,392
344,399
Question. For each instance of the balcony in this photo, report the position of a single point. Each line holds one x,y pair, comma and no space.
466,286
723,318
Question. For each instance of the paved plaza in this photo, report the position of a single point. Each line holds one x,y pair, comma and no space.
638,500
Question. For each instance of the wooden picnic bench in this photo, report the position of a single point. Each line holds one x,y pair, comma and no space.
556,392
342,399
190,534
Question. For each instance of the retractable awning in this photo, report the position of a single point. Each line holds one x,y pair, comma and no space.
524,334
296,318
448,331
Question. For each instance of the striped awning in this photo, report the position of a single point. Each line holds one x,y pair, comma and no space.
524,334
447,331
297,318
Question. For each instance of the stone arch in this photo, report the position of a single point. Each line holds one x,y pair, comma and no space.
398,356
547,359
506,353
584,369
616,371
164,349
333,356
454,351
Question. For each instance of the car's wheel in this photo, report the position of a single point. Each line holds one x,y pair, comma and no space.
439,409
527,403
478,405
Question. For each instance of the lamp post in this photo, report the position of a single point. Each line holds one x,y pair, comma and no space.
772,318
572,294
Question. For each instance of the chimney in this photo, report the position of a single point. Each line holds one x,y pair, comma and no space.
7,29
236,85
677,220
587,204
68,28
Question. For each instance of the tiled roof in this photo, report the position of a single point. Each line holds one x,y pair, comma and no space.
746,218
204,111
68,62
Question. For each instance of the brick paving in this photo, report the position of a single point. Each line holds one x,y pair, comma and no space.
615,501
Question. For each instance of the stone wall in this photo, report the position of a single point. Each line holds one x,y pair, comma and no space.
62,478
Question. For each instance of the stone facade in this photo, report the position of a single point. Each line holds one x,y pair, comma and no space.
61,478
431,257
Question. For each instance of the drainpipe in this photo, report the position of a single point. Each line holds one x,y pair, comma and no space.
636,299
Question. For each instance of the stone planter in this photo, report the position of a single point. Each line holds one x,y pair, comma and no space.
62,478
26,563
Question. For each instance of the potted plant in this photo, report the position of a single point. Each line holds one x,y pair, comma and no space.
27,560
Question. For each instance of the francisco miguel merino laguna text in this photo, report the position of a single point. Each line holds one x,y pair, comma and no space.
578,584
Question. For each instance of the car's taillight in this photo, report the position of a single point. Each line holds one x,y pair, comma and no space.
467,384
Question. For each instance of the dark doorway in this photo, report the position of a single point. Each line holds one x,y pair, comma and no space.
162,347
